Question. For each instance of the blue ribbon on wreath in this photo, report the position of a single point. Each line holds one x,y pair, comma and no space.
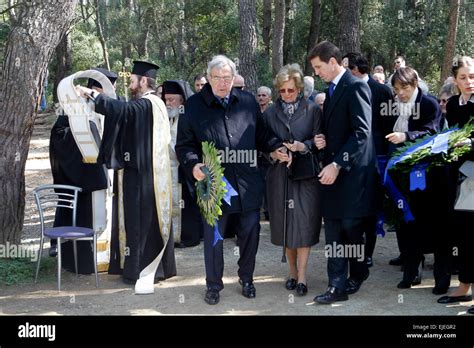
230,192
438,144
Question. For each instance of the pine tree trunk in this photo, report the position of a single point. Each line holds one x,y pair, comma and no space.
100,34
289,33
248,44
278,35
64,63
267,25
37,28
450,44
126,40
313,33
349,36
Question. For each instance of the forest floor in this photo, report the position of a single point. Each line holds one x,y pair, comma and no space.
183,294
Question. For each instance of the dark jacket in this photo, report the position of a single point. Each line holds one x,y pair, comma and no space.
240,126
428,119
382,120
459,115
304,219
347,123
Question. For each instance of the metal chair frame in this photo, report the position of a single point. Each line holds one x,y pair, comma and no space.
46,198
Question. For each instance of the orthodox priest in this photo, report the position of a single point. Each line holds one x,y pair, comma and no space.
187,222
136,139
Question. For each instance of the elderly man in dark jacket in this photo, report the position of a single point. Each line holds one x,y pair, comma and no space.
231,119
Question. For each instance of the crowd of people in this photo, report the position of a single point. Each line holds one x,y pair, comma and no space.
320,163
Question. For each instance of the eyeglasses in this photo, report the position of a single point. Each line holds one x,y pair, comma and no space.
262,95
288,90
444,101
226,79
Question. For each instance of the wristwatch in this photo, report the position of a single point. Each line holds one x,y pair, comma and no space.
337,166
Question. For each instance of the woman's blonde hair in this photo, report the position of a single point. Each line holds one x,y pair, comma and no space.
288,72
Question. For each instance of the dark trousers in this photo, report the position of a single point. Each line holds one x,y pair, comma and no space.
370,236
247,228
346,232
191,221
464,226
413,253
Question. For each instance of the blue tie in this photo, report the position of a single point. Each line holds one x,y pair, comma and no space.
331,88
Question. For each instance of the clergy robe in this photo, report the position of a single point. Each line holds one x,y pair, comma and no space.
68,168
127,143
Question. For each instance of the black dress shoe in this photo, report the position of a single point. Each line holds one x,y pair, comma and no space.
369,261
301,289
404,284
331,295
212,296
129,281
53,251
471,310
417,280
398,261
453,299
353,285
248,290
290,284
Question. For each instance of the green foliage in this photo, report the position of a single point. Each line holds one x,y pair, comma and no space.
86,49
435,160
21,270
211,190
183,35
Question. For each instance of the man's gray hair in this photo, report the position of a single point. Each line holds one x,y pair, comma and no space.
220,62
308,86
265,90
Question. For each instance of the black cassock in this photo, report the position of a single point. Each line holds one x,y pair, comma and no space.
127,144
68,169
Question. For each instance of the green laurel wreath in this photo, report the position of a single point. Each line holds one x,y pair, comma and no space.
400,170
435,160
211,190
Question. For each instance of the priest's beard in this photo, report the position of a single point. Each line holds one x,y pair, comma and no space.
135,93
173,112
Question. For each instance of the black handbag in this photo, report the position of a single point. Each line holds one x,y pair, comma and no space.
304,166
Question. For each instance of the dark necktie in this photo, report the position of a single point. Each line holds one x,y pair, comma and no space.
224,102
331,89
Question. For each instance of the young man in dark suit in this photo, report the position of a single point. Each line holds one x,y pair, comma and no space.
350,173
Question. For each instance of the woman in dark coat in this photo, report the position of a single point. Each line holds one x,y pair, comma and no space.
292,117
419,115
459,110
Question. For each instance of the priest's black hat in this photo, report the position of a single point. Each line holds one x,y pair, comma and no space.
109,74
144,69
177,87
172,87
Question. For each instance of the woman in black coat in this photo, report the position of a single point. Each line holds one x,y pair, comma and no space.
459,110
294,118
419,115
